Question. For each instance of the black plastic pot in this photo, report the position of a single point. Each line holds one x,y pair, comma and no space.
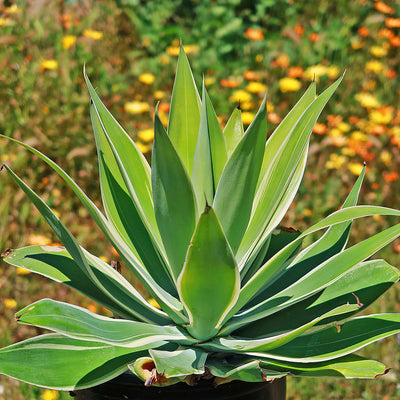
128,387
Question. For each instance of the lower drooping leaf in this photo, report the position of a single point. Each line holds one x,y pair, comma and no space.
57,264
350,366
181,362
209,283
82,324
62,363
249,370
328,343
364,283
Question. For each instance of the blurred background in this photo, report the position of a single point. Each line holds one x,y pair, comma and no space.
244,48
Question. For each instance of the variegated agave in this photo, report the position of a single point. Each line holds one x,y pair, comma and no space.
239,297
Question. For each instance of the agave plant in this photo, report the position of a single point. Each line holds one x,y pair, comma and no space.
237,296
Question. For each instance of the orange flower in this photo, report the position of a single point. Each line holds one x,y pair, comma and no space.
66,20
375,185
320,129
395,41
163,107
313,37
299,30
392,22
250,76
295,72
229,83
334,120
390,73
378,130
385,33
353,119
363,31
282,61
390,176
383,8
274,118
254,34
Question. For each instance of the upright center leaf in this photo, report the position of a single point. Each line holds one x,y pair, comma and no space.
209,284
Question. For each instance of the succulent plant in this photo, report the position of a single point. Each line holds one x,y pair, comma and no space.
236,296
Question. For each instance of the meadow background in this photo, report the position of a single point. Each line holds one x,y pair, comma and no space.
243,48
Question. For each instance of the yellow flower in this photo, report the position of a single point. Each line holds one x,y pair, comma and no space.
386,157
154,303
307,212
173,50
13,9
378,51
359,136
146,135
333,72
335,161
164,59
246,105
9,303
357,44
343,126
93,34
240,95
289,85
105,259
146,42
374,66
315,71
49,394
191,48
144,148
146,78
367,100
347,151
38,240
356,168
136,107
159,94
383,115
49,64
247,117
209,81
68,41
22,271
256,87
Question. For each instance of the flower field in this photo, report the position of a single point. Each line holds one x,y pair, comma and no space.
243,49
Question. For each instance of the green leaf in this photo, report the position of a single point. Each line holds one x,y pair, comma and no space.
80,323
57,264
184,118
210,155
108,132
174,199
169,303
235,192
328,343
332,242
277,262
219,154
233,131
265,343
317,279
283,152
367,281
202,174
121,202
247,370
209,283
182,362
351,366
46,361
